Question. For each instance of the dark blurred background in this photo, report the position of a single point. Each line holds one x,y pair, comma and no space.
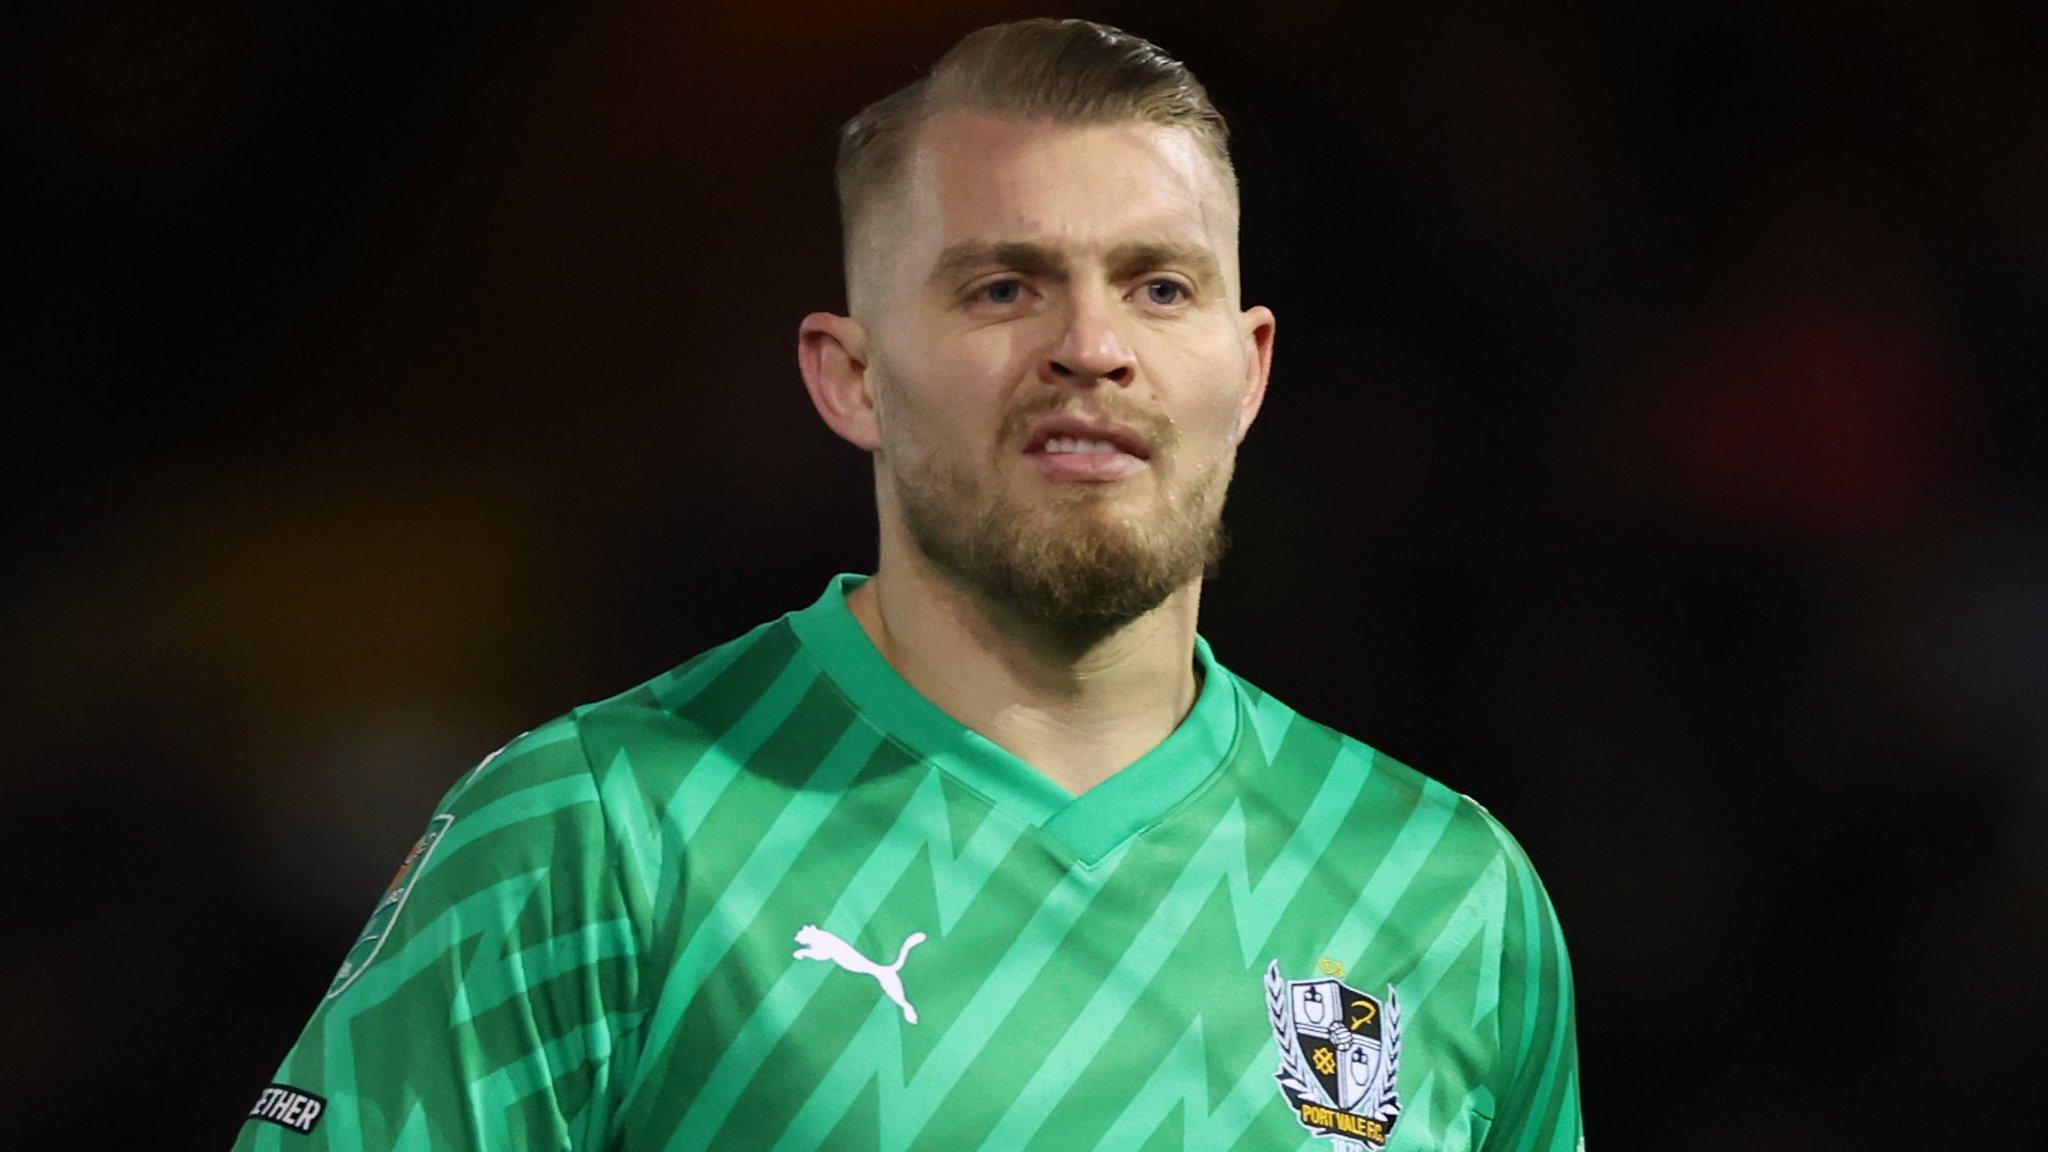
1654,452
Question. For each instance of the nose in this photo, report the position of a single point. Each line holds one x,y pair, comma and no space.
1091,348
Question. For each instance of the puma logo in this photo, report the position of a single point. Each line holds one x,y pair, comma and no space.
819,944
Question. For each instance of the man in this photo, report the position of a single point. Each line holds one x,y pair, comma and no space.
987,850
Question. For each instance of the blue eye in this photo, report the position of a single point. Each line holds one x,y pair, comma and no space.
1003,292
1173,291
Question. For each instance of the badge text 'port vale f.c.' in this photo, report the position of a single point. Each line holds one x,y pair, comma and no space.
1340,1054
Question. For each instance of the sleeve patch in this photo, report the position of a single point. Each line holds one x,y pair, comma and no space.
288,1107
372,940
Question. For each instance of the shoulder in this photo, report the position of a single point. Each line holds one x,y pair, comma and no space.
605,773
550,754
529,805
656,729
1458,834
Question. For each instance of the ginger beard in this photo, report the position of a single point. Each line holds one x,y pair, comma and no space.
1079,558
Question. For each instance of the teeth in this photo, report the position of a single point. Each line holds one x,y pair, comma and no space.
1075,444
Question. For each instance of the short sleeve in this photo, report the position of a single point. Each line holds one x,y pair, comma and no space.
490,1001
1536,1072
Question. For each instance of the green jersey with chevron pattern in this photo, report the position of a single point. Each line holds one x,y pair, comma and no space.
778,900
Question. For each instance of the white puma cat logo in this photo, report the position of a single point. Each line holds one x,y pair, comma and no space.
819,944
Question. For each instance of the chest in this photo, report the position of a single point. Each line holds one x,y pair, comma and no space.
980,993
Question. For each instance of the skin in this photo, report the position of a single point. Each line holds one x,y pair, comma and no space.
942,365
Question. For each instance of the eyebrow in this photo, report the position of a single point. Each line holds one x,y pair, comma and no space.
1127,259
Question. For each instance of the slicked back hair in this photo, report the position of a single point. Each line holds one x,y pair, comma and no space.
1068,71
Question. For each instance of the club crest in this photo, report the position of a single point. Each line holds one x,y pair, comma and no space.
1340,1054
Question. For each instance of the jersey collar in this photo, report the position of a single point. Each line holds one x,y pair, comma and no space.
1090,825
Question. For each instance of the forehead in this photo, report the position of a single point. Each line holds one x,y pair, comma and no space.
976,177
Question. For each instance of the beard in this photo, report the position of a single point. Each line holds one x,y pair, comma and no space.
1071,561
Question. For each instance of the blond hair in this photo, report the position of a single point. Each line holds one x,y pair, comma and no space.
1067,71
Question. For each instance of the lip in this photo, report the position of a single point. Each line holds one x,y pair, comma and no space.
1127,440
1086,467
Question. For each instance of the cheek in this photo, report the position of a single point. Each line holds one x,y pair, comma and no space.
991,359
1212,434
969,384
941,407
1207,415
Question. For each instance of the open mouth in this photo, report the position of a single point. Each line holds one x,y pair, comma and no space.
1082,458
1069,447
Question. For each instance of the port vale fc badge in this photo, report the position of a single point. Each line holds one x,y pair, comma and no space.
1340,1053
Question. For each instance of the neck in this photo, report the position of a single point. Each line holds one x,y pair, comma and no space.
1076,708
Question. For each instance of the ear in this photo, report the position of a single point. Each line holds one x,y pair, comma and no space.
1257,324
831,351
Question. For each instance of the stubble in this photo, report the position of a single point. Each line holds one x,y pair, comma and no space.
1078,558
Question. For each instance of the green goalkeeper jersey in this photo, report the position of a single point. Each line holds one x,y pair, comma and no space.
776,899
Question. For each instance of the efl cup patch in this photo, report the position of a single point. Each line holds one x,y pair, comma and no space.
379,927
1340,1053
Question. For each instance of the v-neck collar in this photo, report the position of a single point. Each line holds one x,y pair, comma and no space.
1089,825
